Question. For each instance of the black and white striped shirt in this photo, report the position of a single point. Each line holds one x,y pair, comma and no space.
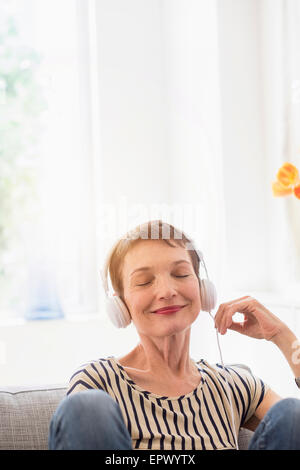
200,419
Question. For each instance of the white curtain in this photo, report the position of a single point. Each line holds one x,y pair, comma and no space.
259,43
291,71
280,65
277,33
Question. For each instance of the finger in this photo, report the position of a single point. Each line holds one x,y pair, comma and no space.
219,315
224,307
229,310
223,319
248,308
237,326
227,320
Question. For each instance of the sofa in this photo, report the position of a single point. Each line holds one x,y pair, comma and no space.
25,414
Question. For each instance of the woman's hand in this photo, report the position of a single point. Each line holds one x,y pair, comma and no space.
258,322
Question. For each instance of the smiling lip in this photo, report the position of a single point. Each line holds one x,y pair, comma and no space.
168,310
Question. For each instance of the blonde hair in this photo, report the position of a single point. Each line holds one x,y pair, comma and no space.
153,230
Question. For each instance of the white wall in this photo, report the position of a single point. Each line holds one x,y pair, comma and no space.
48,351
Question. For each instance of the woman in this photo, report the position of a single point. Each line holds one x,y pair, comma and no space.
157,396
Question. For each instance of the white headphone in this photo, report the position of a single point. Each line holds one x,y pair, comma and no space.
119,314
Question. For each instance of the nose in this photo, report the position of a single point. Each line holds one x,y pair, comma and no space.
165,288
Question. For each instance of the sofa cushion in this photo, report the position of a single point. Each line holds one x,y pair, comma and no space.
25,414
244,438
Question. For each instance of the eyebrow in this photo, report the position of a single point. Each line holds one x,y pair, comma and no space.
146,268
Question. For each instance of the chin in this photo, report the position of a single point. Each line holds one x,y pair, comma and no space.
172,327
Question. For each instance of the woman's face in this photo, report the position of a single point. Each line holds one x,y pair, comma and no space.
167,279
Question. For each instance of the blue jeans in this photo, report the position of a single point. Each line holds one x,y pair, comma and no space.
280,427
91,420
88,420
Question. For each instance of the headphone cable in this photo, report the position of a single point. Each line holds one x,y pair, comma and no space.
228,389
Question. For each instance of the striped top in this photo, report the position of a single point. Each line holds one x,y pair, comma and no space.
200,419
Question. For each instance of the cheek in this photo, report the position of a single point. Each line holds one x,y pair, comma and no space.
193,294
136,302
193,290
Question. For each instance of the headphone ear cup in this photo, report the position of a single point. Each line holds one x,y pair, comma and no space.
117,312
208,295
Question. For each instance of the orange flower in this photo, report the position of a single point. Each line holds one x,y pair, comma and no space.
279,190
297,190
288,181
287,175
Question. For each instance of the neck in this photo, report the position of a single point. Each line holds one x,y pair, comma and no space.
168,355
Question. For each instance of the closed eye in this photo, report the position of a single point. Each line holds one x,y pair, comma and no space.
186,275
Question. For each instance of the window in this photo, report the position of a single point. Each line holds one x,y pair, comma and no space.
47,242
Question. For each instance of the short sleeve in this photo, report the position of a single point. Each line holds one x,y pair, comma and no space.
249,391
86,377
